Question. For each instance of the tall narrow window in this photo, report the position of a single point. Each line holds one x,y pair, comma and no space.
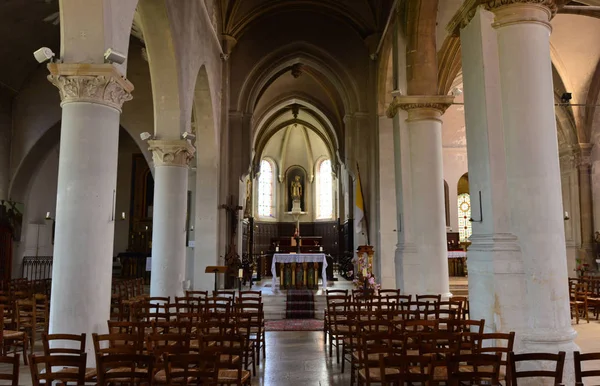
265,189
464,214
325,190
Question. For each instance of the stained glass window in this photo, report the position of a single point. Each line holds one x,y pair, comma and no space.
265,189
325,190
464,214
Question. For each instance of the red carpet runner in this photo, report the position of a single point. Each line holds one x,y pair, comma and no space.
300,304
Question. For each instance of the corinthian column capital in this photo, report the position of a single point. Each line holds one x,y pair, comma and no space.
420,106
178,152
509,12
94,83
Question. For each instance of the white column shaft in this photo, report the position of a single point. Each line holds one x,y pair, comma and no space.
496,278
532,168
83,246
428,203
168,230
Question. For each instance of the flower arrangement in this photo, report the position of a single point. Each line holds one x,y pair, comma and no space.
364,274
580,267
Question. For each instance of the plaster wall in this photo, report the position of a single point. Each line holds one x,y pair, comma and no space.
388,236
5,136
35,109
40,198
455,165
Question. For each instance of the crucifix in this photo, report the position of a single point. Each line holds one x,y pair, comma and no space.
232,259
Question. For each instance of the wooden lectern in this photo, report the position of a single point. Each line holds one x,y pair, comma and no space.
216,269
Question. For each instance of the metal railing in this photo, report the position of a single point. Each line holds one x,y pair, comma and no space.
37,267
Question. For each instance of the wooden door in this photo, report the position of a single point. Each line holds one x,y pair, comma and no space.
5,253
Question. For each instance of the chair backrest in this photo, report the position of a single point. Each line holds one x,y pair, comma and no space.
49,368
193,369
579,373
135,368
11,373
106,344
474,368
497,342
556,374
65,344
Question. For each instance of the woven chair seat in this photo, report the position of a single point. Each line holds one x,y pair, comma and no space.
231,376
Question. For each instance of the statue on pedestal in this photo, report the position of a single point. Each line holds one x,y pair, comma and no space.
296,188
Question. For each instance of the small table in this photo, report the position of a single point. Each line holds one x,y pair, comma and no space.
299,258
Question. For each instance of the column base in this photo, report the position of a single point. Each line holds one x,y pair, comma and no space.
551,341
497,282
408,268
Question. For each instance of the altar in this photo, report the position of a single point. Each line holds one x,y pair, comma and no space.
296,270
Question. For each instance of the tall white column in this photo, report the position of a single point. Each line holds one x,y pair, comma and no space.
496,276
427,184
532,170
171,162
92,96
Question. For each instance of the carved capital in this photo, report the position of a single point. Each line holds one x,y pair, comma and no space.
508,12
178,152
420,106
94,83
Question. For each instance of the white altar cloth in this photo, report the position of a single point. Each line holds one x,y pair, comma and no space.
456,254
299,258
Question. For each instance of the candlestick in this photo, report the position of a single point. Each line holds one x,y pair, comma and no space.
122,215
241,272
320,249
47,215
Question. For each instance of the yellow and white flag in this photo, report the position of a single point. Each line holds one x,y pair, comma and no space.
359,206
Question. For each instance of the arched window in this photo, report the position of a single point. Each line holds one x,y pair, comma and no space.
325,190
464,214
465,227
266,189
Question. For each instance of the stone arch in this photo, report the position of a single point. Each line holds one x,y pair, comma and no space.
39,151
169,119
280,60
206,199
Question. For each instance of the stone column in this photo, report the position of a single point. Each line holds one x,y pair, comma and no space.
532,169
584,167
427,184
92,96
496,277
171,162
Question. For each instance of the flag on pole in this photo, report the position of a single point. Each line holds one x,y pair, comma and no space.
359,207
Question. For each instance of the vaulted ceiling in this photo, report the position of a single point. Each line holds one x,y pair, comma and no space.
364,16
25,26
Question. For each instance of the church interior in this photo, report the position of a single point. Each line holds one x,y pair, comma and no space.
279,192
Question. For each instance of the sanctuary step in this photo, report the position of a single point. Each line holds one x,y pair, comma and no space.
300,304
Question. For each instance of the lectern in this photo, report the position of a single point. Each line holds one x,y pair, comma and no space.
216,269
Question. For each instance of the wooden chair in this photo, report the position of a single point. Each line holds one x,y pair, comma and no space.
557,374
413,369
477,369
579,301
43,369
192,369
71,345
134,369
501,343
579,360
12,373
12,337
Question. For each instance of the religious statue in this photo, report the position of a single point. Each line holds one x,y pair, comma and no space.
296,188
248,206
